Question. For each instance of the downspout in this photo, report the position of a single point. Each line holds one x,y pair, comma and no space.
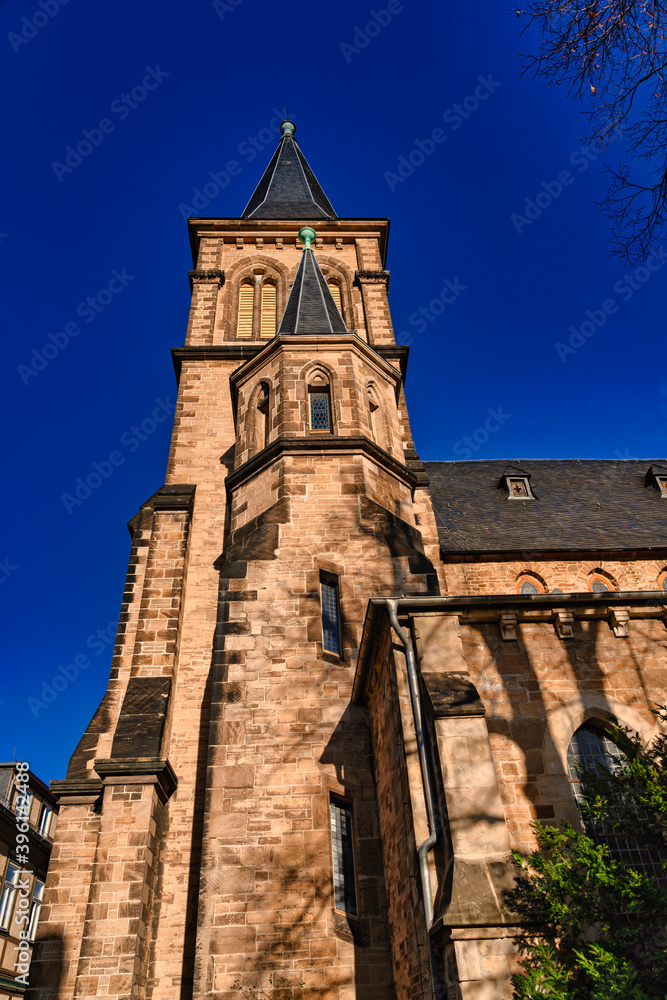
430,842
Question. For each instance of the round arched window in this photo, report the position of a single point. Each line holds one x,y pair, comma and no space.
529,585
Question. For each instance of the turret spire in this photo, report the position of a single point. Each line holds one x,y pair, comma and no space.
310,307
289,188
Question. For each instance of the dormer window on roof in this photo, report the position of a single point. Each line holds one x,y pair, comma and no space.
657,478
516,482
519,488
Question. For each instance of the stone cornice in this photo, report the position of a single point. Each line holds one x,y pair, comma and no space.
142,769
229,351
317,340
328,230
508,611
233,350
212,276
318,445
76,788
170,497
372,278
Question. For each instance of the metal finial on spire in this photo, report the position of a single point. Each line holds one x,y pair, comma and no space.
288,127
307,235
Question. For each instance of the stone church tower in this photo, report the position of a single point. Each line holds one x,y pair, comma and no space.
328,715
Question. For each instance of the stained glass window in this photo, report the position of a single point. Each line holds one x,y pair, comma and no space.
319,411
345,894
528,587
330,620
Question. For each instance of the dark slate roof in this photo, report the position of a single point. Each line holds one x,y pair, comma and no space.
579,506
289,189
310,307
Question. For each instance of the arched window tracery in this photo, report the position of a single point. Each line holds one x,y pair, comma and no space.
591,749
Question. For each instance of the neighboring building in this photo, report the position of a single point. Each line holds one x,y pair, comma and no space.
329,650
24,859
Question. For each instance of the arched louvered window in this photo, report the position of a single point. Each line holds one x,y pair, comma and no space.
593,750
334,288
268,315
244,322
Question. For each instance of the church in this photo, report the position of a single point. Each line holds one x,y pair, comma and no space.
345,681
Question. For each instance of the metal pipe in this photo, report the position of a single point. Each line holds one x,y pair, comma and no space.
430,842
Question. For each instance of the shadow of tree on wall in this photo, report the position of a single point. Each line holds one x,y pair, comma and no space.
523,718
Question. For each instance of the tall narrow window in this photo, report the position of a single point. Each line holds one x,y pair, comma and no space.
35,908
330,616
334,288
320,412
22,804
268,317
246,298
10,889
345,892
373,407
592,750
263,416
45,820
374,418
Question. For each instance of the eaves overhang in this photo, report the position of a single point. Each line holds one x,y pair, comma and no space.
485,608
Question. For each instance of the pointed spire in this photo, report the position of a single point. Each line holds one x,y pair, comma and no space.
310,307
289,188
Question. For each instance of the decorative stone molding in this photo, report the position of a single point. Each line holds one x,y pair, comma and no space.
315,446
279,242
372,278
212,276
139,770
564,622
619,622
507,623
83,790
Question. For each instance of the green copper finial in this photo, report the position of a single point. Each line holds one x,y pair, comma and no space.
288,127
307,235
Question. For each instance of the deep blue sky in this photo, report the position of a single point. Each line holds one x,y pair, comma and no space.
357,113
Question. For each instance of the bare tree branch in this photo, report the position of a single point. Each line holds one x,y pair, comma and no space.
612,54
